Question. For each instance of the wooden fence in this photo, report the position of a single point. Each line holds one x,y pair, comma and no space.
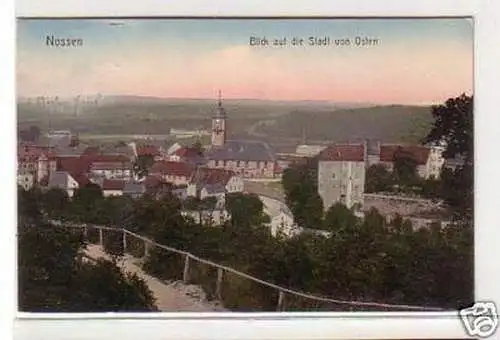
216,279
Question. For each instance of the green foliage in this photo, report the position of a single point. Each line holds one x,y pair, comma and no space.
198,146
55,202
299,184
246,210
142,165
405,167
378,179
363,259
53,277
339,218
454,124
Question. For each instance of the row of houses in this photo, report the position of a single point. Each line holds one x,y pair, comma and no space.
176,169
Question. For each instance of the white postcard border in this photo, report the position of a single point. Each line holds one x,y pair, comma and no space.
256,326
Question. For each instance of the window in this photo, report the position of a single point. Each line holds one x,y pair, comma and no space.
333,176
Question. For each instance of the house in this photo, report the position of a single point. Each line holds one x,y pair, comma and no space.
341,175
187,155
180,191
36,160
112,187
309,150
176,173
429,159
149,150
454,163
173,148
25,179
134,189
65,181
249,159
70,151
156,186
207,182
111,166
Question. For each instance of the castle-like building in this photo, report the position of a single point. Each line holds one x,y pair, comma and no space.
249,159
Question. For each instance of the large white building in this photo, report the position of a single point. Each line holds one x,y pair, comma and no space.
341,175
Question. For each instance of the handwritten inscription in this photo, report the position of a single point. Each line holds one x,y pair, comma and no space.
357,41
52,41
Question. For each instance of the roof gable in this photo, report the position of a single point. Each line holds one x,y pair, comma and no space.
172,168
419,153
240,150
343,153
109,184
210,177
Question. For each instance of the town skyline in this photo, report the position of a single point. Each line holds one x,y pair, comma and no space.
417,62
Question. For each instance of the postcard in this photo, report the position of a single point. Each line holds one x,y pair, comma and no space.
246,165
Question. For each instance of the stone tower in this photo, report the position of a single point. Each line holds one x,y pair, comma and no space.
219,130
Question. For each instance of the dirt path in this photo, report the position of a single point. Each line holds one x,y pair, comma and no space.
170,297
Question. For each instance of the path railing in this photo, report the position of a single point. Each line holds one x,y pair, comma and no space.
234,289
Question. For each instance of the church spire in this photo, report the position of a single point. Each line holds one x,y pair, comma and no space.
220,99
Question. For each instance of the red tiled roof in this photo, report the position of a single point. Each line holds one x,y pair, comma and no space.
187,152
91,151
172,168
209,176
147,150
109,158
80,178
72,164
110,166
112,184
155,185
345,153
419,153
32,153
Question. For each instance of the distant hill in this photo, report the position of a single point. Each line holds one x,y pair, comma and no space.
387,123
322,120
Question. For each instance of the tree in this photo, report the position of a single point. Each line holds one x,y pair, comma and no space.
198,146
405,167
339,218
142,165
29,205
246,210
54,277
378,179
88,204
454,124
299,184
55,202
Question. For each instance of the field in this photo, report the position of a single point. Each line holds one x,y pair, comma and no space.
276,122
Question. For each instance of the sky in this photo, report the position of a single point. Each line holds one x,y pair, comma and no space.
415,61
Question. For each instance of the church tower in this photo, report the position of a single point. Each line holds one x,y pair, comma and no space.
219,125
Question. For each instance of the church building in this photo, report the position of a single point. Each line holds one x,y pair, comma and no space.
249,159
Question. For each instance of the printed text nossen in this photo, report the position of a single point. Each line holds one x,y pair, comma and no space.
52,41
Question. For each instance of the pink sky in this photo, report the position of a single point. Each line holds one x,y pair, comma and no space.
417,71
